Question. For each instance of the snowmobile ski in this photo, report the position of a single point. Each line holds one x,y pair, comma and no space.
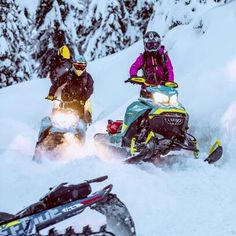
215,153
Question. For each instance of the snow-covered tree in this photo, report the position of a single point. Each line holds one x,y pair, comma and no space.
141,14
170,14
56,23
113,25
15,66
106,29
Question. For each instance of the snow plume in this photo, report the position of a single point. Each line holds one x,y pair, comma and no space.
231,70
228,127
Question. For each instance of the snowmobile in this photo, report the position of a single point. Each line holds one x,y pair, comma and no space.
63,125
153,126
65,201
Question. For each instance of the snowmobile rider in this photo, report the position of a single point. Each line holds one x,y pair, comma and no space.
77,88
60,62
154,62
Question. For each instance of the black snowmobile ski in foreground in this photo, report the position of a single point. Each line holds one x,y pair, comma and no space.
65,201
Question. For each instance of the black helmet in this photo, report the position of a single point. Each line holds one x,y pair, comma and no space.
152,41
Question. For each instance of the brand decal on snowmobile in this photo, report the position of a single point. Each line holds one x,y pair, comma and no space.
67,209
173,121
13,228
9,224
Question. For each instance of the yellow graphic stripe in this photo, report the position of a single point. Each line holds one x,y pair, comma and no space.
132,146
10,224
214,146
161,110
124,127
150,135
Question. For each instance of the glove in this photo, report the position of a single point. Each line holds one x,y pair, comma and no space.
50,98
82,102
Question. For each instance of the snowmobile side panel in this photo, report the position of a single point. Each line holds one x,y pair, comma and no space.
133,111
45,124
21,227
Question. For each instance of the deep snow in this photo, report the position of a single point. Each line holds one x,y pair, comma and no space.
188,198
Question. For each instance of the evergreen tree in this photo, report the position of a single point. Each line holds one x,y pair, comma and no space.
14,57
56,23
107,29
111,26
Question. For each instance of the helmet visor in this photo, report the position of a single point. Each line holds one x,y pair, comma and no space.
79,66
152,45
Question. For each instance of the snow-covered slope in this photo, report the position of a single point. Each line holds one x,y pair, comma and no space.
188,198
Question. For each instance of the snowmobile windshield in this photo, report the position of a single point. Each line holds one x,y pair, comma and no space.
163,95
64,118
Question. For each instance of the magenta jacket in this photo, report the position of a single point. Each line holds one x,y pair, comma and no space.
156,67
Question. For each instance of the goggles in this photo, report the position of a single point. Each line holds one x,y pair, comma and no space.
155,39
152,45
79,66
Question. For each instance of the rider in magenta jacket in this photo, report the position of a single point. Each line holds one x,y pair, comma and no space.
154,62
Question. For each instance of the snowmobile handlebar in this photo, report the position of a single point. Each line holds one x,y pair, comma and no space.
136,80
108,188
141,80
97,180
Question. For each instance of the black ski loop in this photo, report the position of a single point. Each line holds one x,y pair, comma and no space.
194,139
184,146
173,141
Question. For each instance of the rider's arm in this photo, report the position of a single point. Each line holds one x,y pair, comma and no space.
169,69
57,83
88,87
137,65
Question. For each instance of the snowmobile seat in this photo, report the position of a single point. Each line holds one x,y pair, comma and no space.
5,216
65,194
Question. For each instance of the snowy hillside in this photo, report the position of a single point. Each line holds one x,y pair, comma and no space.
188,198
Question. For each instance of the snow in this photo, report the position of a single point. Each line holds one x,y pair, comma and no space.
188,198
231,70
30,5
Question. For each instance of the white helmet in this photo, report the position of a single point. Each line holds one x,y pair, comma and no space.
152,41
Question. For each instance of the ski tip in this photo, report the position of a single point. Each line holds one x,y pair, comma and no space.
215,153
215,146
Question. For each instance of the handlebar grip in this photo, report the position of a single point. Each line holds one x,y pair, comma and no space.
99,179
